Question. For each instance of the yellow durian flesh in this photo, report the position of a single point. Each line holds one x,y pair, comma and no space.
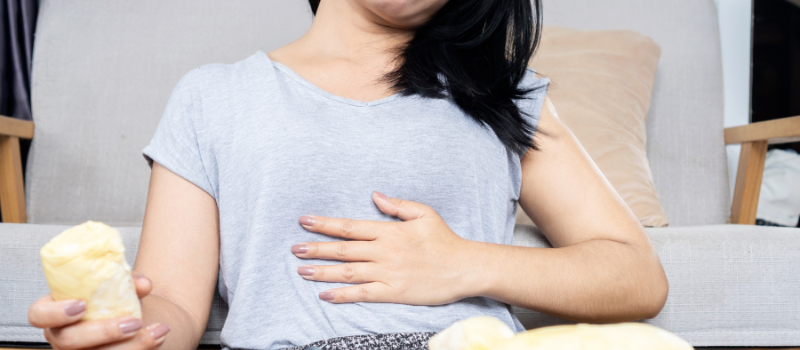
622,336
475,333
87,262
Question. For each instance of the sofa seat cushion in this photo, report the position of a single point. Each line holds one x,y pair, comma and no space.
730,285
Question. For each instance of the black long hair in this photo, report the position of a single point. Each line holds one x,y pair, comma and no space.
482,48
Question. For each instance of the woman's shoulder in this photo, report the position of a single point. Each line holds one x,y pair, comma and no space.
214,79
211,96
532,79
535,87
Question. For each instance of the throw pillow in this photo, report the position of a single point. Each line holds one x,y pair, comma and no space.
601,85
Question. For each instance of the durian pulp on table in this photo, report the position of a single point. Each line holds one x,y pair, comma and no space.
489,333
87,262
621,336
475,333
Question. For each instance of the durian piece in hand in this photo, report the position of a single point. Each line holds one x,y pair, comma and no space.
621,336
87,262
475,333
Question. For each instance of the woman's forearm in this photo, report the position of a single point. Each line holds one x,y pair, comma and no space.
185,331
593,281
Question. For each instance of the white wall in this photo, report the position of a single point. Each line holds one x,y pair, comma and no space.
735,19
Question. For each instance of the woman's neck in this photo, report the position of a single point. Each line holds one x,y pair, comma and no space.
347,51
344,30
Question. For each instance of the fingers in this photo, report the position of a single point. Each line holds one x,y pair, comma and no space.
46,312
89,334
374,292
362,230
143,285
146,338
341,250
365,230
404,209
344,273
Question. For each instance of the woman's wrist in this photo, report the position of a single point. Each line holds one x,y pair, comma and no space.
480,269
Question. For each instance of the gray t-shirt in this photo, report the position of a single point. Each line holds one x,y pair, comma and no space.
269,146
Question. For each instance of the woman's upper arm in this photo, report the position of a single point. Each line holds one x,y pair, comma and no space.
567,196
179,247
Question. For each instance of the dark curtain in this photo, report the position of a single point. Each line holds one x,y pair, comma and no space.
17,24
18,18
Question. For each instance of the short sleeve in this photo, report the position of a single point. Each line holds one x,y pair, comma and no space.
175,144
531,106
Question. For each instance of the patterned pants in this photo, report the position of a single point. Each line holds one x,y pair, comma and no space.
394,341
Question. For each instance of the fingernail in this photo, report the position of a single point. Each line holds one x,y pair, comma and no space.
305,271
327,296
75,308
307,221
130,326
140,276
158,331
381,195
300,248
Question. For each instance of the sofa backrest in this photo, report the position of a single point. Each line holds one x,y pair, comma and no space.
685,144
103,71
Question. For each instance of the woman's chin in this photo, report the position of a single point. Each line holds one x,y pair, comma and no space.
404,14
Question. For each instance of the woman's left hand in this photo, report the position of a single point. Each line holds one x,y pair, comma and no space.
417,261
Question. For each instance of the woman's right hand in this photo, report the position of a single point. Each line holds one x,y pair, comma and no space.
64,330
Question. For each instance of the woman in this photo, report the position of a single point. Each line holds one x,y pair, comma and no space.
261,173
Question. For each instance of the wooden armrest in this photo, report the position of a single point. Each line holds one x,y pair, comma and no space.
12,189
774,131
16,127
755,138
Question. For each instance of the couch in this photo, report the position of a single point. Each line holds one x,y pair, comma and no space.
103,71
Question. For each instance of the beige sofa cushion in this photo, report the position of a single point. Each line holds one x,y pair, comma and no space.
601,86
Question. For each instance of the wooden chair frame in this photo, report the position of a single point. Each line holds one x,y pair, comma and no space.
754,139
12,188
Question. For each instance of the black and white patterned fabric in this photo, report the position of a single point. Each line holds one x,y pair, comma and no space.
393,341
762,222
